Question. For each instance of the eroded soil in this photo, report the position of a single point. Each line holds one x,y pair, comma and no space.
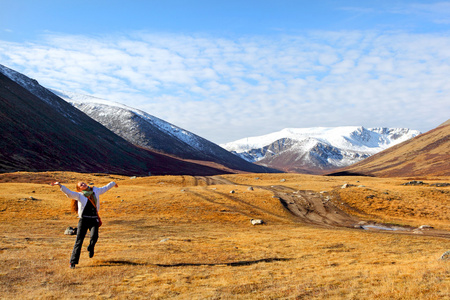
321,209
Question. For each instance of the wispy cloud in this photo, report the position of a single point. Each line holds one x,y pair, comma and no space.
225,89
437,12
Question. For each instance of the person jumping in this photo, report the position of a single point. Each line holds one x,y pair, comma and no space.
85,201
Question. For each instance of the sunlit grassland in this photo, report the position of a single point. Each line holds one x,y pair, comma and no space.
187,238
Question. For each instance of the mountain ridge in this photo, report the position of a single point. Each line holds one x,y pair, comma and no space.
317,150
50,135
150,132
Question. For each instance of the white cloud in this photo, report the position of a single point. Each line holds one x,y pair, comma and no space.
435,12
225,89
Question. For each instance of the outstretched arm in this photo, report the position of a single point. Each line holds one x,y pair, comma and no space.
104,189
69,193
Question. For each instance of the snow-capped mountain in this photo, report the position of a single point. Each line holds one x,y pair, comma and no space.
147,131
42,132
319,149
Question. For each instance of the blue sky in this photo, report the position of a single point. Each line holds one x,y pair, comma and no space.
231,69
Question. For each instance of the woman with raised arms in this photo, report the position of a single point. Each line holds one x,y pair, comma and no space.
85,201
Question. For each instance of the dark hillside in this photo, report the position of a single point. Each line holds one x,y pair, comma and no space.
38,137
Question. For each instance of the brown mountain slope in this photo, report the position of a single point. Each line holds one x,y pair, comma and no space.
37,136
426,154
445,123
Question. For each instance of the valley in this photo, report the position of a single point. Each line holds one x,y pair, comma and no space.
181,237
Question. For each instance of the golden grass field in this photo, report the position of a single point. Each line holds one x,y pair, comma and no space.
184,237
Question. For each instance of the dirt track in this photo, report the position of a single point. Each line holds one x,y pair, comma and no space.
313,208
310,207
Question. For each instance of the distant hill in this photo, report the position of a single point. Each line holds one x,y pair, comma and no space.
42,132
317,150
150,132
425,155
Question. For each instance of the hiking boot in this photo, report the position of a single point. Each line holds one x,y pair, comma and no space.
72,266
91,251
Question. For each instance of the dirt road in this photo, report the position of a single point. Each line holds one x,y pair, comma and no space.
314,208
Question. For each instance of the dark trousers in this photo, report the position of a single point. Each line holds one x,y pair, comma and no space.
83,225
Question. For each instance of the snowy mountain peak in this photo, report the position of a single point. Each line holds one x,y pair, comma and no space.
90,104
344,137
147,131
318,147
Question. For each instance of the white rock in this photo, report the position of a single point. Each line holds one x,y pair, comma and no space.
257,221
425,227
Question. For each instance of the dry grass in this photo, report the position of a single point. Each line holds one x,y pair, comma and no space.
184,237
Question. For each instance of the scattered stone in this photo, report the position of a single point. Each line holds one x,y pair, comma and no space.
232,192
70,231
29,198
344,186
283,180
446,255
164,240
133,177
257,222
443,184
425,227
414,182
370,197
417,231
250,188
257,178
183,190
